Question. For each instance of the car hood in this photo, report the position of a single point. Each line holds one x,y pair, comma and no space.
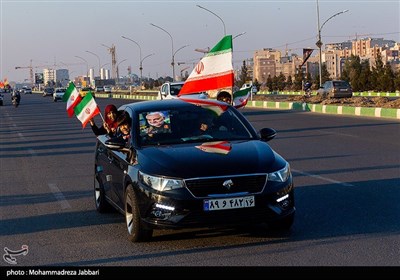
209,159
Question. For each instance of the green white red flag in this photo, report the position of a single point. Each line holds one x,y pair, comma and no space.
86,109
214,70
216,107
241,97
219,147
72,97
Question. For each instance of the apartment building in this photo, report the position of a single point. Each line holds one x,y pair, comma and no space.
269,62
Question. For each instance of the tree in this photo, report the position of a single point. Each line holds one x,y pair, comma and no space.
243,74
269,83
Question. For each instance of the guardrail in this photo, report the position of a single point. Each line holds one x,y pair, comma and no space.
369,93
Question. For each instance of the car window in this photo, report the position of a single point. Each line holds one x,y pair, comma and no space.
184,125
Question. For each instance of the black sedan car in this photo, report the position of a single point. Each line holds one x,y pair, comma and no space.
192,163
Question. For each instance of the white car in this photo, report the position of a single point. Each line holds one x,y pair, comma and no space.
58,94
170,90
107,89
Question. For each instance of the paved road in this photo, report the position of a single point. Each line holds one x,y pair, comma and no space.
346,171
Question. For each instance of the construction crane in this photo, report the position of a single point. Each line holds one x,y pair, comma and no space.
31,67
113,60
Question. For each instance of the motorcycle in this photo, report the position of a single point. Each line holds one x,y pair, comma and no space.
16,99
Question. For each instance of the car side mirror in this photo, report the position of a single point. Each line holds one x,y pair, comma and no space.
267,134
116,143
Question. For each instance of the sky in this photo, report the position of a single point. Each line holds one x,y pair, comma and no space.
55,32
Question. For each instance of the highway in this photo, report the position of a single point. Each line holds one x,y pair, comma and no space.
346,171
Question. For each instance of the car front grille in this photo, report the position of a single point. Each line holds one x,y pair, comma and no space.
214,186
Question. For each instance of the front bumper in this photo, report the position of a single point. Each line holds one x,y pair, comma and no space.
158,211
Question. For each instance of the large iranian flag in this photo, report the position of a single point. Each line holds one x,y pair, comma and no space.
214,71
86,109
72,97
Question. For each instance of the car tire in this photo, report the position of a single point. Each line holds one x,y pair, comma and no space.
136,230
283,224
102,206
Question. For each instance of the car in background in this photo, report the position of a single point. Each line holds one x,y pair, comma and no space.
26,90
107,89
335,89
153,179
48,91
170,90
58,94
85,90
99,89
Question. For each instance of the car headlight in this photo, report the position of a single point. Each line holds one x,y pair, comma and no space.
280,175
160,183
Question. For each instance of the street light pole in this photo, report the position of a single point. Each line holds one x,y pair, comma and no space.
173,56
172,52
140,55
214,15
118,69
319,42
87,65
240,34
141,66
97,58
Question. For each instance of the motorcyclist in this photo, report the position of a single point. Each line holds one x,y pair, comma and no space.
16,96
307,88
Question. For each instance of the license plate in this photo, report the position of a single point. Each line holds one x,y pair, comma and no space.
228,203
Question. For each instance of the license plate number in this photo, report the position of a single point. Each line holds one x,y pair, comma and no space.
228,203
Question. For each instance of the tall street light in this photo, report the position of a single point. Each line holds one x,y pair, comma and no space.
319,42
87,65
240,34
140,55
214,15
173,56
141,66
98,60
118,69
172,52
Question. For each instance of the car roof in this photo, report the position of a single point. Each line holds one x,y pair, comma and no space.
155,105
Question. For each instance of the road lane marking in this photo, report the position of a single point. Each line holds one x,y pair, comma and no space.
323,178
59,196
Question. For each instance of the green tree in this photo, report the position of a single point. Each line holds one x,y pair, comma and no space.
388,79
289,83
377,74
243,74
397,81
269,83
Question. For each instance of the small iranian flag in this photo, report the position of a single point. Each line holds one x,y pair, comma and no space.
219,147
72,97
215,107
241,97
214,71
86,109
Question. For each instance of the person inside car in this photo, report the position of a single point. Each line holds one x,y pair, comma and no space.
110,124
124,122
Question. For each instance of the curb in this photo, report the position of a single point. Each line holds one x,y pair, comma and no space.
391,113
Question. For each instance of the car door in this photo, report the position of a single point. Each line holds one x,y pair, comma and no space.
117,170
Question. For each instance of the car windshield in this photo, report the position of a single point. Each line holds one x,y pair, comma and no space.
190,124
175,89
340,84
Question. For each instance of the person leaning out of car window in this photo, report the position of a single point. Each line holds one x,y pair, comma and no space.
110,124
124,127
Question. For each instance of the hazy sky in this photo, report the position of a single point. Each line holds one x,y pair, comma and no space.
55,32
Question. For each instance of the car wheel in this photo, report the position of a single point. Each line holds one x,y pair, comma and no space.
283,224
102,206
136,231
